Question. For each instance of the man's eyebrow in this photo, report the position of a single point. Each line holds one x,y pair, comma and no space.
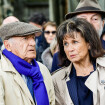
96,14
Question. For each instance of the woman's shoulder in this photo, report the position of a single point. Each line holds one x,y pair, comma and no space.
61,73
58,71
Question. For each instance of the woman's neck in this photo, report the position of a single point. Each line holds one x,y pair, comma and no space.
83,68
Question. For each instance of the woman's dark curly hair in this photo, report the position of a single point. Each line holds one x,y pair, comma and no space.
87,31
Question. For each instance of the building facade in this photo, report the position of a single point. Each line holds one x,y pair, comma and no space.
54,10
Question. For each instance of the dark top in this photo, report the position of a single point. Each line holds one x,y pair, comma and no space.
85,96
42,46
55,62
79,93
38,41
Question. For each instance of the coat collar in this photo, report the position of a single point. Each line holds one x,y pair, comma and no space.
98,75
101,69
8,67
64,72
101,61
61,76
67,72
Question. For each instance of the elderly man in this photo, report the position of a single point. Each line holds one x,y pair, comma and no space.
23,81
91,11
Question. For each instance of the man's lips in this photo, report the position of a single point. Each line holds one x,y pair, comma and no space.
31,50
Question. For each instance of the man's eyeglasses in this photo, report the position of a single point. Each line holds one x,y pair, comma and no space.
48,32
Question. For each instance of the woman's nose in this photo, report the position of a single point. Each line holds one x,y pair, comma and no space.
50,34
70,48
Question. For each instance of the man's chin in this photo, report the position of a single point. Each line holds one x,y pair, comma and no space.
33,57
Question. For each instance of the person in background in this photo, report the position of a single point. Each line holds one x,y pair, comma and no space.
49,30
47,55
23,81
7,20
38,19
92,12
55,62
81,80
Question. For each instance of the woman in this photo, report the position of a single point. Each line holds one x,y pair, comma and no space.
49,33
82,79
47,55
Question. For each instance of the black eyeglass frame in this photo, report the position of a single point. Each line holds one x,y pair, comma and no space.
48,32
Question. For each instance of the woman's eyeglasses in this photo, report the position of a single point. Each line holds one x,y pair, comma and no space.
48,32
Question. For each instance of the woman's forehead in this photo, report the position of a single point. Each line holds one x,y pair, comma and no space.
73,34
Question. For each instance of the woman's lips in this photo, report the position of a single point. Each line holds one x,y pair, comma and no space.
72,56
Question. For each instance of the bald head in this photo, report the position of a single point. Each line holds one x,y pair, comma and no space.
9,20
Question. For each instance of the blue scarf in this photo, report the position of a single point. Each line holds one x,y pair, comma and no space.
32,71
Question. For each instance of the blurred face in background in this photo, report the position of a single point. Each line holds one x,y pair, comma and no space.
50,33
39,26
95,19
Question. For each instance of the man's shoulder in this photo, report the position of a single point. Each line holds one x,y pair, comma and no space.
46,74
43,68
41,65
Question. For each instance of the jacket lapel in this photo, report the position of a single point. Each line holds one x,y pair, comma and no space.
65,90
72,87
23,86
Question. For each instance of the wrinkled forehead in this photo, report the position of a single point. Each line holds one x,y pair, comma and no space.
89,14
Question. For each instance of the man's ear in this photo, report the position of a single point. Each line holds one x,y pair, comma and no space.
7,45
